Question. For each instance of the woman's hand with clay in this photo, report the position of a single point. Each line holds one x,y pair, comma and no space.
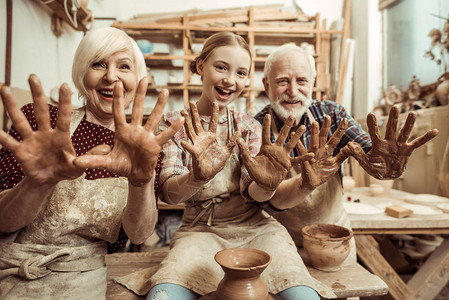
136,148
208,157
270,166
45,155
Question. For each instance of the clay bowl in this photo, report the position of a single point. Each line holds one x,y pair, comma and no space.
326,245
242,267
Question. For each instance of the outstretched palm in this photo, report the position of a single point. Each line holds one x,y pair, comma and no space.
46,154
388,157
270,166
208,157
318,170
136,148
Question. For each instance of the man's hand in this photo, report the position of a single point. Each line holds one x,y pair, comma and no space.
318,170
270,166
388,157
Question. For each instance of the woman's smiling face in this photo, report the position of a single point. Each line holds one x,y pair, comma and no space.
101,78
224,74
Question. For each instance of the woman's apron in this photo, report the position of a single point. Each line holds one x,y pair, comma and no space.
323,205
61,254
218,218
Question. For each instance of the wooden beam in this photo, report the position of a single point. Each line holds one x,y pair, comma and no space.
8,56
346,35
368,253
433,275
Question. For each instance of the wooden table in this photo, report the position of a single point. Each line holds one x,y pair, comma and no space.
431,277
350,281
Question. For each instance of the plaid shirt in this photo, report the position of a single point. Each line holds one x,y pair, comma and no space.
177,161
319,110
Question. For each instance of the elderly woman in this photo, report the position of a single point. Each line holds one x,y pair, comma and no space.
70,181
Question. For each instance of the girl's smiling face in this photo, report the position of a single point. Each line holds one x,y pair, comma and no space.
101,79
224,75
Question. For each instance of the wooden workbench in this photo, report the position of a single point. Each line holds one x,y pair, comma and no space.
431,277
350,281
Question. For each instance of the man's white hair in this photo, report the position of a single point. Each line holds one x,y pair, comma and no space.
287,49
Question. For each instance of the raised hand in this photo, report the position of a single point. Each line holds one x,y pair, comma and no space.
45,155
388,157
136,148
270,166
323,165
208,157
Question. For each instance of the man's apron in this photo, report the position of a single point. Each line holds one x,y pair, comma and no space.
218,218
61,254
323,205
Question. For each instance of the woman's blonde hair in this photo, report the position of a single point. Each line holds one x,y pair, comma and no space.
99,44
216,40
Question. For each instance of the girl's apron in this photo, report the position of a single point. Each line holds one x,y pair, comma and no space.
218,218
61,254
323,205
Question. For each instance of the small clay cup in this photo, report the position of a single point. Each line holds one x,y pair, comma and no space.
242,267
326,245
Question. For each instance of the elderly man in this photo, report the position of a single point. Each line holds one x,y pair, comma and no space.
312,191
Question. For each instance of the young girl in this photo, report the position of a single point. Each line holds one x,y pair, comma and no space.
207,175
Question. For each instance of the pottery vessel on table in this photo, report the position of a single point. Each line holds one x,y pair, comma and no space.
442,91
376,189
242,267
348,183
326,245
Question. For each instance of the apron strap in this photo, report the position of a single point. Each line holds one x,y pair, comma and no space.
77,117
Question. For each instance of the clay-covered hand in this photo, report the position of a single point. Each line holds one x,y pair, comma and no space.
318,170
208,157
136,148
388,157
45,155
270,166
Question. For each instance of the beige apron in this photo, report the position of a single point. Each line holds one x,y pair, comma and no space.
323,205
218,218
61,254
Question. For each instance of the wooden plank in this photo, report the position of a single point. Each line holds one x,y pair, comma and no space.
360,231
251,43
346,35
433,275
350,281
367,251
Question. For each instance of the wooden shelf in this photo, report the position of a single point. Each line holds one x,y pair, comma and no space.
260,26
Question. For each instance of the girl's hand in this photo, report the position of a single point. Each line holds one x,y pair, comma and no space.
136,148
208,157
45,155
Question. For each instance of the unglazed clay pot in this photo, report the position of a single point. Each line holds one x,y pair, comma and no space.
442,91
242,267
326,245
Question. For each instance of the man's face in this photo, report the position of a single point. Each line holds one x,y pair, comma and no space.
289,85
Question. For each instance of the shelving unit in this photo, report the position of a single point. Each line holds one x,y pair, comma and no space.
260,26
